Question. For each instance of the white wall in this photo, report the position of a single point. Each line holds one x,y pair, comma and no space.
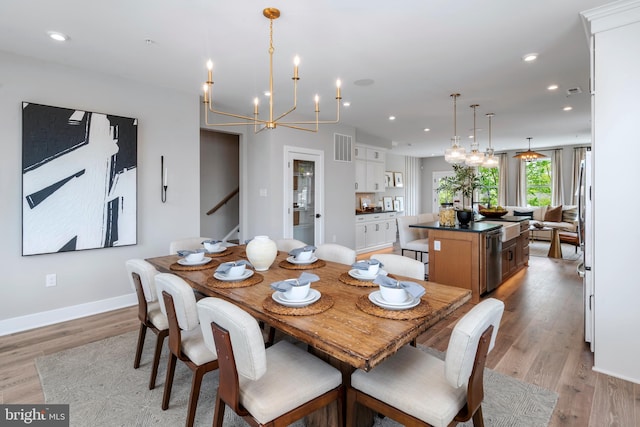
615,175
93,280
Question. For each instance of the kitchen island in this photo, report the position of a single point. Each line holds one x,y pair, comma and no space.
478,257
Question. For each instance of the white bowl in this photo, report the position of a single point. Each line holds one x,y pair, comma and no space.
304,256
373,269
395,295
297,292
195,257
212,247
236,270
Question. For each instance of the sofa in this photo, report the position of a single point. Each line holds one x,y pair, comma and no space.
563,217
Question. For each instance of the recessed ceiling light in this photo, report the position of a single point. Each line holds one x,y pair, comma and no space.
427,129
552,87
267,93
57,36
392,117
568,108
530,57
346,104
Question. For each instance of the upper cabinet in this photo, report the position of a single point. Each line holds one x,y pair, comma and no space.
369,163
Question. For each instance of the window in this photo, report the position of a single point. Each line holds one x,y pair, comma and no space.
488,192
538,173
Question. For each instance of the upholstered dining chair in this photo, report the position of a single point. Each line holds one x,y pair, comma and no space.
274,386
141,275
186,343
336,253
189,243
287,245
413,239
415,388
401,265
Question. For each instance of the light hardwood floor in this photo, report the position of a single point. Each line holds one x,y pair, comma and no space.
540,342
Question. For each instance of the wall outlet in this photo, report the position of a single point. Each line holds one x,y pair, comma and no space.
436,245
50,280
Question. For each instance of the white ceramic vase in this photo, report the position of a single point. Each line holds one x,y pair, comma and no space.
261,252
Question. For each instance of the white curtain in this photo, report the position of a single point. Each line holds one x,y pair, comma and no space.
503,171
579,155
412,186
521,184
557,188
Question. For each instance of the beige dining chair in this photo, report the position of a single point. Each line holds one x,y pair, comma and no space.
412,239
185,338
336,253
287,245
413,387
272,386
189,243
141,276
401,265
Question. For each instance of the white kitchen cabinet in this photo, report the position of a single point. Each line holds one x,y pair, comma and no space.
375,231
369,165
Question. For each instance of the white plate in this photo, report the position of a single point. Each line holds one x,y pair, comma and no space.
375,298
362,275
293,260
247,273
280,299
183,261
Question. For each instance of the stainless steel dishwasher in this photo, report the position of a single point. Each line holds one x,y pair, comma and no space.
494,258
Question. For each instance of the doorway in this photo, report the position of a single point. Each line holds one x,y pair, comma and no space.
304,195
219,185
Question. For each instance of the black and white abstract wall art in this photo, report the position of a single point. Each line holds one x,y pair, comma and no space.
78,180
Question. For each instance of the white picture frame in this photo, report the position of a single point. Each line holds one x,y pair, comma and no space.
400,201
388,179
388,203
397,179
396,206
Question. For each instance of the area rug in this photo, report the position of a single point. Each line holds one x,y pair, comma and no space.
540,248
99,383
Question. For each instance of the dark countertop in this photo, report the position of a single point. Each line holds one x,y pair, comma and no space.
372,212
506,219
474,227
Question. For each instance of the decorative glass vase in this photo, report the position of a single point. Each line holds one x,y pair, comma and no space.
447,216
261,252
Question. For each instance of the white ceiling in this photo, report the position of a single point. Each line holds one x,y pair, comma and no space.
417,52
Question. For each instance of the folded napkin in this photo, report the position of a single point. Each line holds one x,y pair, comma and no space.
364,265
185,252
284,286
225,266
295,252
414,289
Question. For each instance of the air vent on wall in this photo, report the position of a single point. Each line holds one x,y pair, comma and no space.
574,91
341,147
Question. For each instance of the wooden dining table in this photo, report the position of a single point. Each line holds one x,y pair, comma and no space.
342,325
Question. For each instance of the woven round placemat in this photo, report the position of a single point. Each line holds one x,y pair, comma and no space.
218,254
348,280
286,264
179,267
323,304
220,284
421,310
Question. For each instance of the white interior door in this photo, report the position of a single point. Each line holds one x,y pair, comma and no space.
304,195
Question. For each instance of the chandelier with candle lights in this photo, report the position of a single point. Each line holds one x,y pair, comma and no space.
272,121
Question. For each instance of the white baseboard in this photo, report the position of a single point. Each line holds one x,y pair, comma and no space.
46,318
